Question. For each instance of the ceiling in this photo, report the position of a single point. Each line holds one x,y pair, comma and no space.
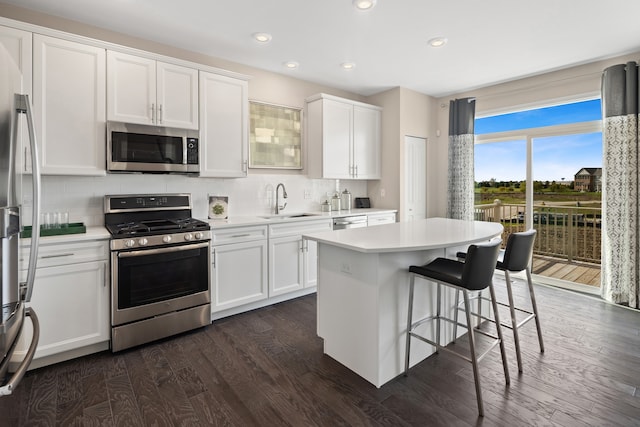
489,41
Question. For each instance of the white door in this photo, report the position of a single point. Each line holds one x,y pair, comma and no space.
415,178
337,141
224,109
177,96
18,43
69,104
366,143
285,265
239,274
131,88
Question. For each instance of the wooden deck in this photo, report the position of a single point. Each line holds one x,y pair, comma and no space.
578,272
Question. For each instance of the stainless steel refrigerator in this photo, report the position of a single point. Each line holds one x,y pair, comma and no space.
15,111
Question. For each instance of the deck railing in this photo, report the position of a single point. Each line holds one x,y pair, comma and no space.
570,232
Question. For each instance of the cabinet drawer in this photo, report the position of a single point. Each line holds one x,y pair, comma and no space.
388,218
240,234
299,227
66,253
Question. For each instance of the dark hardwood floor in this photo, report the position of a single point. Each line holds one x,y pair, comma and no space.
266,368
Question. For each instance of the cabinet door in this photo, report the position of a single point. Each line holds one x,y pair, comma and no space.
336,139
239,274
310,263
69,103
18,43
224,108
72,304
131,88
285,265
366,143
177,96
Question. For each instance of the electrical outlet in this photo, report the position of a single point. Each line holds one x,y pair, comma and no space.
307,194
382,192
345,267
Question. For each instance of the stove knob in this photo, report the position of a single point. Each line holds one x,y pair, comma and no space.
143,241
199,235
188,237
130,243
166,239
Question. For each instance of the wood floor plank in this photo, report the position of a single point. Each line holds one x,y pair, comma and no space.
122,399
43,400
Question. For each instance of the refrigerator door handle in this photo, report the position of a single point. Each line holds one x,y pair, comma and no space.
17,376
24,106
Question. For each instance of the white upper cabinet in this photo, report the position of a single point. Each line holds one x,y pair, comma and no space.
18,44
345,135
69,102
149,92
224,112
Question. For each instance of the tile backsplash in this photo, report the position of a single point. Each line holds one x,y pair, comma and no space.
83,197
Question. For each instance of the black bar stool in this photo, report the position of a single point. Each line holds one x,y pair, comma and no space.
516,258
471,276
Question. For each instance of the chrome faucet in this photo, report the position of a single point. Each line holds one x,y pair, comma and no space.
284,196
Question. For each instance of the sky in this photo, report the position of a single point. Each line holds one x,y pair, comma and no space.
554,158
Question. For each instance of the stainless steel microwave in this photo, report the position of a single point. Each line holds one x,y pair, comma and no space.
151,149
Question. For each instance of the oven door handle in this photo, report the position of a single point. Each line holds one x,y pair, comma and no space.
146,252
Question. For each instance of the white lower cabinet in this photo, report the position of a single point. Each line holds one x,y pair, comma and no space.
71,300
381,218
292,259
239,267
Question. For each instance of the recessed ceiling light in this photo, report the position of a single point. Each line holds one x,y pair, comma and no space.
437,41
262,37
348,65
364,4
291,64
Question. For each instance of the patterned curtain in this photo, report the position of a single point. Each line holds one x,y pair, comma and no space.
460,184
620,245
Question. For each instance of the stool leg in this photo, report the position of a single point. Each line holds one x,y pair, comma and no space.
455,317
496,317
514,321
409,321
438,298
472,348
535,308
479,318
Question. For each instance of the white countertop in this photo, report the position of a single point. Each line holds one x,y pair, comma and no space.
431,233
239,221
93,233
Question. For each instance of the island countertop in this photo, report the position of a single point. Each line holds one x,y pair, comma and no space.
424,234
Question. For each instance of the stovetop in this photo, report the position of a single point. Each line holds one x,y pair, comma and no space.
156,226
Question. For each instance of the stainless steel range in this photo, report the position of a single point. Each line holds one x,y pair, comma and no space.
160,268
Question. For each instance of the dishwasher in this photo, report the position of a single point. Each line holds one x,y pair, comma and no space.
349,222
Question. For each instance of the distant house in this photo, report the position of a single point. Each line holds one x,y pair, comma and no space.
588,179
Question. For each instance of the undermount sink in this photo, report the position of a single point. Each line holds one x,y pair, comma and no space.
281,216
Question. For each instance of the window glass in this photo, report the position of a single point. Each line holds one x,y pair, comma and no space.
583,111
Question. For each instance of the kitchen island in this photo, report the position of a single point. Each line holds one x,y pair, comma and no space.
363,286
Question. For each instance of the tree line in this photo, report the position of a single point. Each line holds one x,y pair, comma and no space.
514,186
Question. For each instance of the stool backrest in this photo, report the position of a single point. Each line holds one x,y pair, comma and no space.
519,250
480,263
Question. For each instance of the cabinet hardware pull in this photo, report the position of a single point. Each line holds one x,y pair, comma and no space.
106,275
153,113
160,114
57,255
213,258
241,235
